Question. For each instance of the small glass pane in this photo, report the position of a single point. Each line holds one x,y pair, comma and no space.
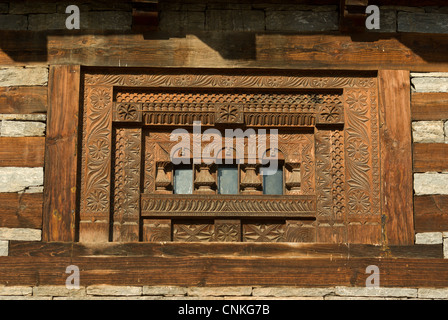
183,180
273,183
228,180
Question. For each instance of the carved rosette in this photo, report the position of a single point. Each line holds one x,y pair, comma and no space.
127,112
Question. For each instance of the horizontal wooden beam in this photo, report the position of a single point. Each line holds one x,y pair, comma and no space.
22,151
430,157
429,106
431,213
22,100
416,52
21,210
224,271
249,250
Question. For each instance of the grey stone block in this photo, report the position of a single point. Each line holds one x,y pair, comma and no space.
294,7
16,291
403,8
20,234
435,9
22,129
376,292
301,21
445,248
24,117
101,20
42,22
17,76
27,7
429,74
4,246
106,290
422,22
388,21
430,183
291,292
164,291
13,22
219,291
432,293
428,132
427,84
182,21
178,6
109,20
235,20
58,291
228,6
14,179
428,238
445,128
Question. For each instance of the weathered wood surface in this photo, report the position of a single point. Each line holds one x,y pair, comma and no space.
396,156
23,100
430,157
416,52
249,250
21,210
429,106
22,151
61,154
431,213
224,271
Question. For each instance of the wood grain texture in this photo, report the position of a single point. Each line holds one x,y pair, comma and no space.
22,151
23,100
417,52
431,213
61,154
249,250
21,210
430,157
224,271
396,156
429,105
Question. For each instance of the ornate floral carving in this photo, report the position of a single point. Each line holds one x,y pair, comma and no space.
97,201
229,114
227,230
180,78
127,112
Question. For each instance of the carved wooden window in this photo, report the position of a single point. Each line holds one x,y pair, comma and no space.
327,188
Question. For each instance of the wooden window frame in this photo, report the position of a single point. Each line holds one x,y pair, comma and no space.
62,157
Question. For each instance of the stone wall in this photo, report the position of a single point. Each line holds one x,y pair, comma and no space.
105,292
21,179
196,16
50,15
260,17
431,183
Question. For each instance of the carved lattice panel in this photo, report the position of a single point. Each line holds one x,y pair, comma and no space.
327,146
